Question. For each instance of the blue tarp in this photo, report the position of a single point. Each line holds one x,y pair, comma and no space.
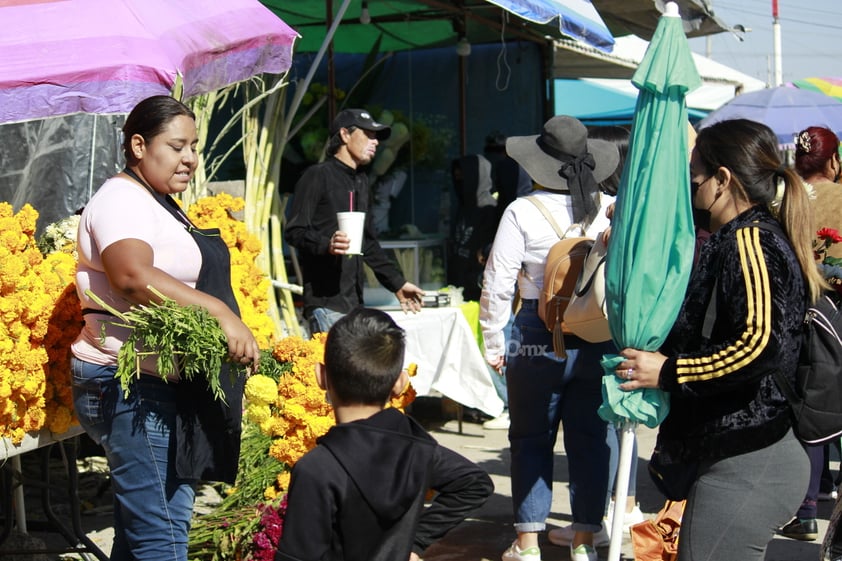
594,104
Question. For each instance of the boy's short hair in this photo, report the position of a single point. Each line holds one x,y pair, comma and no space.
364,354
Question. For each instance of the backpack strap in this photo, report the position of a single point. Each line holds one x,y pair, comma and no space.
558,232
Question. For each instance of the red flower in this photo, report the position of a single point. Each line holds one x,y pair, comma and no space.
265,541
830,235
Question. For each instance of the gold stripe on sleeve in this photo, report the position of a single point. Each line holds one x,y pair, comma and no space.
758,325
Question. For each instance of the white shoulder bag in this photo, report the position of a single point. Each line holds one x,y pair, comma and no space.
586,315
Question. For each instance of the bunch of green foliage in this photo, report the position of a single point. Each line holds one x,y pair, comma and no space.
188,342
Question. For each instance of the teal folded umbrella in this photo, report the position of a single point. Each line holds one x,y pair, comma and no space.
652,239
650,252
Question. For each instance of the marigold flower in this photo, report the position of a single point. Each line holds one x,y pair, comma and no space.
261,390
258,413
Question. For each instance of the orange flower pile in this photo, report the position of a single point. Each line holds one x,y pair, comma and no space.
251,285
34,392
293,409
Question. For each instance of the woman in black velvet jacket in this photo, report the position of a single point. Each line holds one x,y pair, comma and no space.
727,414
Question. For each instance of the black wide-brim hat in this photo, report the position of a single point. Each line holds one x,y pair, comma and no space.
542,155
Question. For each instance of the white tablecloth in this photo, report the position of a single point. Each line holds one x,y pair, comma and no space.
440,342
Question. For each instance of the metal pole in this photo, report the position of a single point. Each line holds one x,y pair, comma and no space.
331,70
626,430
463,141
301,88
776,38
17,493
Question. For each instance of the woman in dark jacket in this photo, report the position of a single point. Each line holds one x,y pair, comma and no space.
727,414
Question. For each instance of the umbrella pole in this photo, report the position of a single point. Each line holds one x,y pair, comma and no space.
626,429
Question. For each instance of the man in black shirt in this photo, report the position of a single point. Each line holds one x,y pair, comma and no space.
333,281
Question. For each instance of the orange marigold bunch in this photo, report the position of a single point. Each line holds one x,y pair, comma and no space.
305,415
408,394
63,326
251,285
30,286
289,406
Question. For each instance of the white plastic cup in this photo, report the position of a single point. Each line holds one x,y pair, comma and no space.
353,224
456,298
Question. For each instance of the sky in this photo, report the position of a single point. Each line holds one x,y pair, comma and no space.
811,38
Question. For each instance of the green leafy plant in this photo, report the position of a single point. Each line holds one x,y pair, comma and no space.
186,340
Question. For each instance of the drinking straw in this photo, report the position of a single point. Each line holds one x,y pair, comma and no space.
351,201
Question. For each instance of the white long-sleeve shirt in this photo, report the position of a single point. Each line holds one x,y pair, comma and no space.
523,239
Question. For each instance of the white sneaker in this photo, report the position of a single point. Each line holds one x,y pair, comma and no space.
514,553
828,496
564,536
632,518
500,422
629,518
583,553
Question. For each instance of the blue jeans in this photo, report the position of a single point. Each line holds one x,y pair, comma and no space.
152,507
543,392
323,319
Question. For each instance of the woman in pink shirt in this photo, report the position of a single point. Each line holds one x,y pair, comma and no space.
166,434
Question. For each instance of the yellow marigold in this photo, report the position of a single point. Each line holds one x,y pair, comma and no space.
319,425
258,413
35,368
34,416
287,451
60,420
27,218
16,434
275,426
261,390
283,480
251,285
270,494
294,411
34,386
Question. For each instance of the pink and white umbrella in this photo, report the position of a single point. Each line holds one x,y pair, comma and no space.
59,57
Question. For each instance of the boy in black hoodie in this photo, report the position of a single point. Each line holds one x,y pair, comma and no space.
359,494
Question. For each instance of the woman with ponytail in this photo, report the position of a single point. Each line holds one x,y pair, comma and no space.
753,280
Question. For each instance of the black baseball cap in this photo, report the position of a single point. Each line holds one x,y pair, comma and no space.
361,119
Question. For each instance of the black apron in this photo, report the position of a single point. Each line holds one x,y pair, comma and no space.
206,443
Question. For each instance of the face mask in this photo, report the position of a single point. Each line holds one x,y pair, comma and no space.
701,219
701,216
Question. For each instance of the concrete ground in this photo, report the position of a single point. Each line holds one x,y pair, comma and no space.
485,536
482,537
